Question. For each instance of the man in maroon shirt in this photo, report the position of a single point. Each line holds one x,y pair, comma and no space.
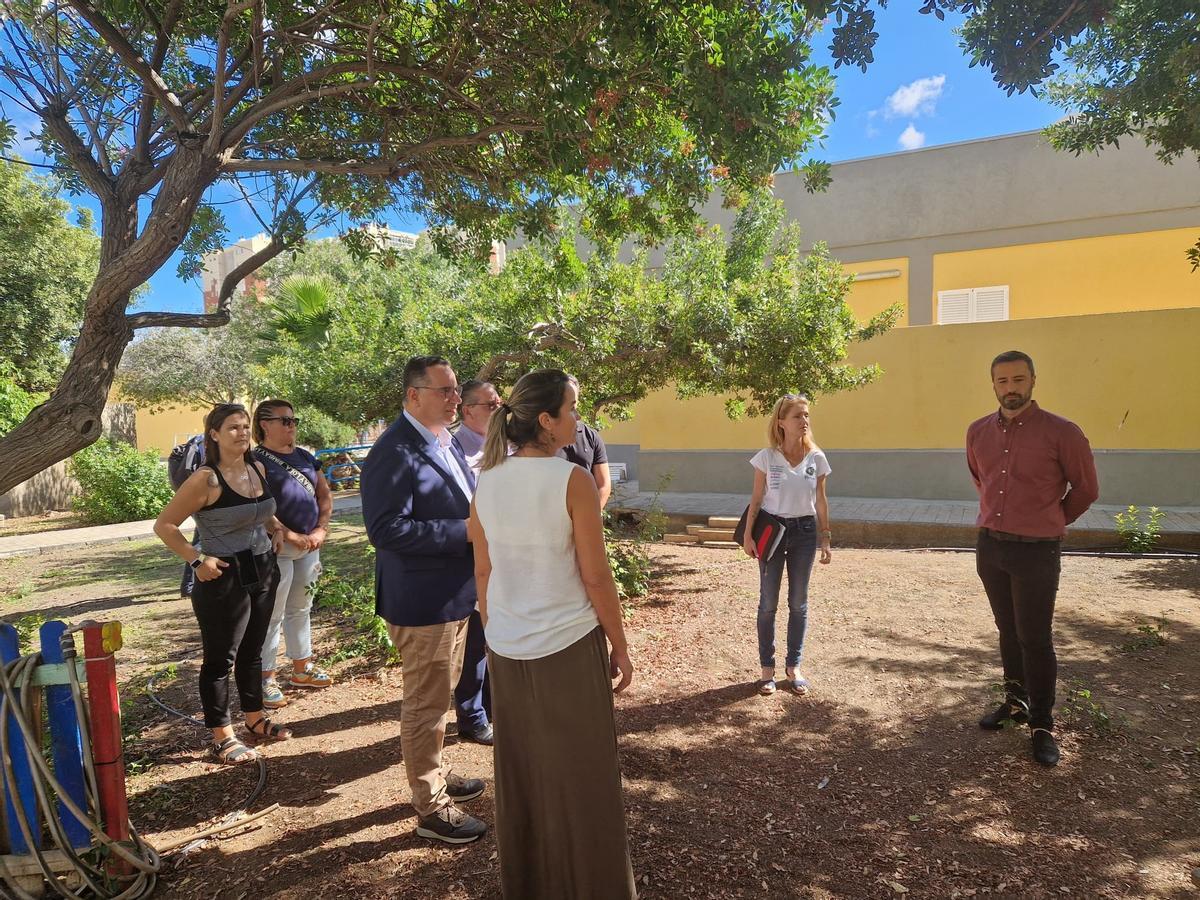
1035,476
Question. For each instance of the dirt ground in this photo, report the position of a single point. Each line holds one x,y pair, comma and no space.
879,784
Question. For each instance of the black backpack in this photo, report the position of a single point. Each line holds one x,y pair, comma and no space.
184,460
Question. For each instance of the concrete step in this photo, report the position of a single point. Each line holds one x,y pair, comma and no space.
711,534
681,539
726,544
723,521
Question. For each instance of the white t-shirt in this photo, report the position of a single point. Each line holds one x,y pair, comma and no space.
791,491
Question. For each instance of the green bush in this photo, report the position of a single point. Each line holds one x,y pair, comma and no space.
318,430
352,595
628,557
119,483
1138,535
15,403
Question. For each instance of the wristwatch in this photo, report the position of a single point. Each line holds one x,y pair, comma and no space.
197,562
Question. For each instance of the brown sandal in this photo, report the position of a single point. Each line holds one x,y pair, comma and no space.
232,752
265,728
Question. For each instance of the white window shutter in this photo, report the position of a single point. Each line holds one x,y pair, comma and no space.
991,304
954,307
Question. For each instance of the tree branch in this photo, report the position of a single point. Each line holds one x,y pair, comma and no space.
134,61
68,138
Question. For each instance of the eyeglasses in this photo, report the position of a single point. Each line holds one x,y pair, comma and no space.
285,421
446,392
493,405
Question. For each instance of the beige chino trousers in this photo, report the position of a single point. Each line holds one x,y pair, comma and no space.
431,661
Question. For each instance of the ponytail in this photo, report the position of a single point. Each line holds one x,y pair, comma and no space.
515,424
495,443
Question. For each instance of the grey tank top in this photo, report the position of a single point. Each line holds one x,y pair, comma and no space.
235,523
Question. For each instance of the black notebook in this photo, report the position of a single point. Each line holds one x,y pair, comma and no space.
768,532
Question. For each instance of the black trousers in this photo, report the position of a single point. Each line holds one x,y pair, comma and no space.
1021,581
233,621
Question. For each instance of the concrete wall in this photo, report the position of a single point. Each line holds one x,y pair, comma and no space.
1140,477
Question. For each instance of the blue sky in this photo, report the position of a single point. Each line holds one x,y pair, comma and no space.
920,91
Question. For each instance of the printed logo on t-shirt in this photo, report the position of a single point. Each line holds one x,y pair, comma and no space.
776,476
810,470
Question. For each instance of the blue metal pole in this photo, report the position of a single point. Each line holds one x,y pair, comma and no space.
65,738
10,650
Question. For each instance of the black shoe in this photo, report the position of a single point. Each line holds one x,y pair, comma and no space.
463,789
477,735
1010,710
1045,750
451,826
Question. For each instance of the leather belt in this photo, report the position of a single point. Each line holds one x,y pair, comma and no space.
1018,538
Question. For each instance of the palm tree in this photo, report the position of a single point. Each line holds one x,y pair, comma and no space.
301,309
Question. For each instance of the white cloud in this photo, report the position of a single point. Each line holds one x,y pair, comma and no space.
911,139
916,99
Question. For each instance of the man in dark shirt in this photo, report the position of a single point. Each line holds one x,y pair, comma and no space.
589,452
1035,475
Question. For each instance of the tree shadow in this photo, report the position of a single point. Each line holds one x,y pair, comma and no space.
1167,575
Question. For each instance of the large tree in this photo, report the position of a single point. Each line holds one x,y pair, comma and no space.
479,114
46,267
749,315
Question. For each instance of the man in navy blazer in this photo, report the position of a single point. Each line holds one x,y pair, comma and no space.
416,496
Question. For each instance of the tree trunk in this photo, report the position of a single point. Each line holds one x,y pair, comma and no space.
70,419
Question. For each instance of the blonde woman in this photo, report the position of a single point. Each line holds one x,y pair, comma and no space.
789,483
548,603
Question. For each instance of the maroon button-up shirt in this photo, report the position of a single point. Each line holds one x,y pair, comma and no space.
1035,474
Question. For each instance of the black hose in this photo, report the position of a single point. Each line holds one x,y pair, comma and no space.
262,765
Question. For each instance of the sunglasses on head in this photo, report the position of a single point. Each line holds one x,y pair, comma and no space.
285,421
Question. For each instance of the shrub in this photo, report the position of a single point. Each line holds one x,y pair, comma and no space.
119,484
352,595
318,430
1139,536
628,557
15,403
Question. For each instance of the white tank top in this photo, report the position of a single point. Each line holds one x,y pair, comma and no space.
536,602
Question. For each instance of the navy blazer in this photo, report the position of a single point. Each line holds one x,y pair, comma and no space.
416,518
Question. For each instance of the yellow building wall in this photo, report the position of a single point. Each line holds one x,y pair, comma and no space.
866,299
1128,379
164,429
1115,273
869,298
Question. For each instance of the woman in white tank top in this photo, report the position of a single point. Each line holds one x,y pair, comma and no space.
548,603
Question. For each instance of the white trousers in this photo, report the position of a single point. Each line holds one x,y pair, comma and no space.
298,570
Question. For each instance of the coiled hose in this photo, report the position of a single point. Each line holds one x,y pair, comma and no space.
16,681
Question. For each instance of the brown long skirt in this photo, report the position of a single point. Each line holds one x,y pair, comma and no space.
560,818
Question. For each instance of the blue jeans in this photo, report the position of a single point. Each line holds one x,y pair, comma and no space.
797,551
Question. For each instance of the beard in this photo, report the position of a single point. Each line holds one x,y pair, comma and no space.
1015,401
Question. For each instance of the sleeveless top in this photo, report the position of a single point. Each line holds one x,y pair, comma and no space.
235,523
536,602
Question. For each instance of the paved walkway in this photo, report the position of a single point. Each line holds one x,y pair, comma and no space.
68,538
1183,519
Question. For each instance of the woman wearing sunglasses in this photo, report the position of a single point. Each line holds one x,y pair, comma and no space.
305,504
